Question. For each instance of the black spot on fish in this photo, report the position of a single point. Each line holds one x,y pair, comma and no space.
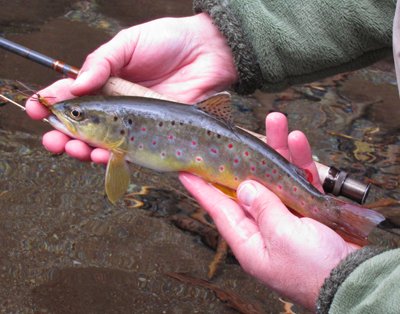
173,122
122,132
161,124
95,120
130,121
181,122
218,135
132,138
115,119
208,133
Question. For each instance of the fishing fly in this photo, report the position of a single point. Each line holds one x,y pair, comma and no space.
39,98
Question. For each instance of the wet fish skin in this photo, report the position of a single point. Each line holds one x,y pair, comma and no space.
168,136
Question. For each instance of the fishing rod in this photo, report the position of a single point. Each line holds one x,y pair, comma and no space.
37,57
334,181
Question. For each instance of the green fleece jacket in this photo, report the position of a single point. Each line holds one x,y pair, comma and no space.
366,281
277,44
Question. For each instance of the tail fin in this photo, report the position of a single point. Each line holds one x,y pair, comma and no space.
356,220
351,237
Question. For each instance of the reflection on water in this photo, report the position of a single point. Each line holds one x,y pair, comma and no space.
64,248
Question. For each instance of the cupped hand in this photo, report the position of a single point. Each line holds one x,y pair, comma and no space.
185,58
292,255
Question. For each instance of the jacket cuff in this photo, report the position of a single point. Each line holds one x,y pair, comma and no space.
229,25
339,274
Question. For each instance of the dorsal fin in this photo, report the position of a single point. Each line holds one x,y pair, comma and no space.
218,106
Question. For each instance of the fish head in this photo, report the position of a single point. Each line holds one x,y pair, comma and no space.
94,124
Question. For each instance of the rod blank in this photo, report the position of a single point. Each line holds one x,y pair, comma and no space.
37,57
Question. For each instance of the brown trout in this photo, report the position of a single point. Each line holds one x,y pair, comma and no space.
201,139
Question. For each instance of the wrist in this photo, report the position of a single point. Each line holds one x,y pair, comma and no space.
212,41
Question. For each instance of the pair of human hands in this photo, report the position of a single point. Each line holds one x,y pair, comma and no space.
189,60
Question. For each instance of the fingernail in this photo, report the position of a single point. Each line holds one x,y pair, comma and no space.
81,79
246,194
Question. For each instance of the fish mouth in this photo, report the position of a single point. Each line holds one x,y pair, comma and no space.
60,126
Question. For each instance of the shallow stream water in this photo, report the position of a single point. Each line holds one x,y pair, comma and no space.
64,248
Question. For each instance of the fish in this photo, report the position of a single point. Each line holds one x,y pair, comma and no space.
201,139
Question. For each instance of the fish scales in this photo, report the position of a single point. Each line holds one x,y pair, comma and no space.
181,142
168,136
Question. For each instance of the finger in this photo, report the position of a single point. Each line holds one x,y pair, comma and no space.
53,93
277,133
301,157
232,222
108,59
100,156
55,141
78,150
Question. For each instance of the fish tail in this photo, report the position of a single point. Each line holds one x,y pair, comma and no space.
351,237
357,221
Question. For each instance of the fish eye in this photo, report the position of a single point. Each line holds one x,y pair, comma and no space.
76,113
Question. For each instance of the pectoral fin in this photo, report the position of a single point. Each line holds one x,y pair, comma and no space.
117,176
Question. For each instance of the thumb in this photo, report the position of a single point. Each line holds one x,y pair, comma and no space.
107,60
262,205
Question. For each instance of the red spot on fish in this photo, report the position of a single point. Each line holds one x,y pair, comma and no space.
302,203
295,189
274,171
236,161
221,168
194,143
154,143
208,133
312,197
308,175
163,154
140,146
143,129
263,162
253,168
198,159
267,175
171,137
316,210
132,138
326,205
280,187
213,150
178,153
230,146
246,153
236,179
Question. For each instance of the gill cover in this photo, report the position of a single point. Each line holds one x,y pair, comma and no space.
100,127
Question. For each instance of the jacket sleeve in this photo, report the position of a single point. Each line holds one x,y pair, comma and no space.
277,44
366,281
